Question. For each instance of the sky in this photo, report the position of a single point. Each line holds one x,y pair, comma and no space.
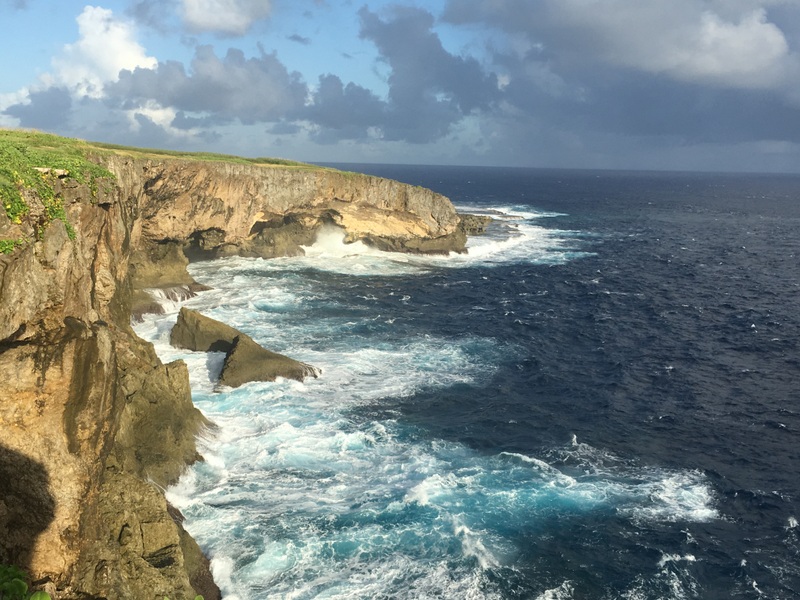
709,85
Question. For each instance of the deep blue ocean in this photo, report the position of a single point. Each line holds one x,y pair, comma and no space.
601,400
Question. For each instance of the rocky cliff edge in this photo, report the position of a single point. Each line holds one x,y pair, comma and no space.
93,425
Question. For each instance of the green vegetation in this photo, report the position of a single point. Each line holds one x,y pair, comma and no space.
13,585
8,246
203,156
30,160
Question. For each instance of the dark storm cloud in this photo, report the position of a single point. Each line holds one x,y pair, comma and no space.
344,111
47,109
223,89
429,88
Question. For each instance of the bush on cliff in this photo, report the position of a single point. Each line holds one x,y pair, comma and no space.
13,585
30,160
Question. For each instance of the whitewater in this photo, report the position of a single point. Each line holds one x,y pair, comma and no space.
303,494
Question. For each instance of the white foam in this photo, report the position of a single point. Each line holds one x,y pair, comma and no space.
302,495
330,244
562,592
675,558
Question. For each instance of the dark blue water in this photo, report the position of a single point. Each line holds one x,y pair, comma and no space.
601,401
675,344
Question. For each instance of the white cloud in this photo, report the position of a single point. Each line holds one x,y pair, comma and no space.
684,39
731,44
105,47
232,17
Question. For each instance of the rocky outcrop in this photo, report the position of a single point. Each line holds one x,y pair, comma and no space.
245,359
195,331
204,210
474,224
93,424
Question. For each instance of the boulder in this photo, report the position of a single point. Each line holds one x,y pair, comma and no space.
247,361
194,331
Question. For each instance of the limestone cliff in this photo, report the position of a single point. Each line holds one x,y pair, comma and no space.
93,425
212,209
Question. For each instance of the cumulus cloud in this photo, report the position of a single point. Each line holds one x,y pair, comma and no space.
224,89
429,88
45,109
105,47
727,44
228,17
344,111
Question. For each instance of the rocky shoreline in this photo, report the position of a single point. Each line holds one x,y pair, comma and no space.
94,426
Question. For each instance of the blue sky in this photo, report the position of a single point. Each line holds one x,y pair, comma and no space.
639,84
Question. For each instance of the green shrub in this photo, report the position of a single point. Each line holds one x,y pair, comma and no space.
23,152
13,585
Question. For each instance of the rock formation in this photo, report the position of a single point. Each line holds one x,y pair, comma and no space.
245,360
204,210
93,424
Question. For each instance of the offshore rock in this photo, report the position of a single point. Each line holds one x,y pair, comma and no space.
195,331
474,224
245,359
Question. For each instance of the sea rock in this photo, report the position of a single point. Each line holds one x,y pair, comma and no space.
246,361
195,331
474,224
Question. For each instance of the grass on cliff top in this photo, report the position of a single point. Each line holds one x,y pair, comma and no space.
21,154
203,156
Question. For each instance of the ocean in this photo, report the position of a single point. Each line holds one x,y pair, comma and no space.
601,400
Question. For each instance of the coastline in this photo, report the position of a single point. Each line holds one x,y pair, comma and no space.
105,423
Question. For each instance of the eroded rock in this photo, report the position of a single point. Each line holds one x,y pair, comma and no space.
195,331
247,361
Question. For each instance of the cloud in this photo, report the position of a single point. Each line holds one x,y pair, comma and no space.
729,44
429,88
46,109
299,39
344,111
152,13
228,17
105,47
223,89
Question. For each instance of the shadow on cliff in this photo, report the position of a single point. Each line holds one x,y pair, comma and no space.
26,506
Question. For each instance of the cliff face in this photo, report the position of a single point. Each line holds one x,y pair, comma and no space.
212,209
93,424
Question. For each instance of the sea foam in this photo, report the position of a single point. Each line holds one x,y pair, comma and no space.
304,492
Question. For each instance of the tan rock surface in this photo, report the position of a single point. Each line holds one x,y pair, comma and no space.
93,424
